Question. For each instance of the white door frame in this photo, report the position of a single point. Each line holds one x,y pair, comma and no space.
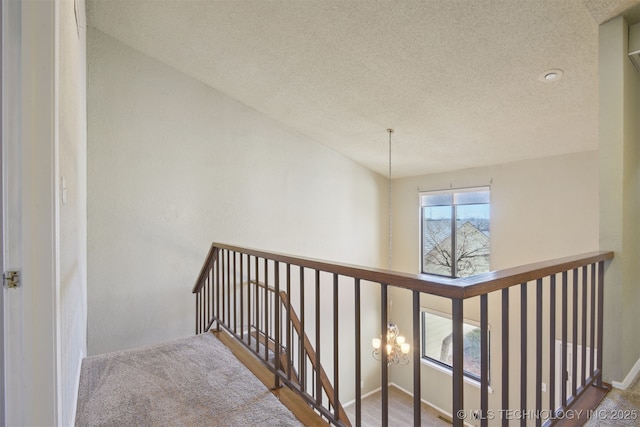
31,346
2,269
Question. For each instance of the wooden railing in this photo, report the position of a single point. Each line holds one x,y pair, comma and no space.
286,356
253,294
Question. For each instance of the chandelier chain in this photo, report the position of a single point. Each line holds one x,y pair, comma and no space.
389,207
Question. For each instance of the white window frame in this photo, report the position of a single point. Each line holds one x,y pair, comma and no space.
421,206
443,367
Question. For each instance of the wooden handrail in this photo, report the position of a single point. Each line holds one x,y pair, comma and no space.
461,288
308,348
211,257
311,355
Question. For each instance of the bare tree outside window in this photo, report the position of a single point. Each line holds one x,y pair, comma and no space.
460,247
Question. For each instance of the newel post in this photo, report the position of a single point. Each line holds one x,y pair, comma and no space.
457,412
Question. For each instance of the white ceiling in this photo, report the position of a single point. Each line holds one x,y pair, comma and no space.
458,80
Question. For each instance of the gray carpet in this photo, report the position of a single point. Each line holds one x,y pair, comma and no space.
618,408
194,381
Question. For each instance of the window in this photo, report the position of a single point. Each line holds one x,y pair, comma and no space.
455,223
437,340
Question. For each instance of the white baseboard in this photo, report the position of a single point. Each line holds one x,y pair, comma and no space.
352,402
391,384
437,408
77,384
628,380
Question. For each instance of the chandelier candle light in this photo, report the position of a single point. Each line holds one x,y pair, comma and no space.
397,347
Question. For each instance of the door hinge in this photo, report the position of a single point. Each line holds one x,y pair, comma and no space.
11,279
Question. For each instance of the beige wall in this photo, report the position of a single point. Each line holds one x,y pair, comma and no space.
174,165
620,196
72,153
540,209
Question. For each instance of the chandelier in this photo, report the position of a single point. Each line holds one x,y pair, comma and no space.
397,347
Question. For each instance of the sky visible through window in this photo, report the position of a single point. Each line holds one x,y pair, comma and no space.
470,211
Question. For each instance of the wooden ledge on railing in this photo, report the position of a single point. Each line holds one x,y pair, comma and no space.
500,279
460,288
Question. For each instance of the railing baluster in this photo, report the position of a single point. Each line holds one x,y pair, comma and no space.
266,309
458,361
207,305
417,392
229,320
600,321
198,317
235,290
336,341
221,290
552,344
218,300
574,344
318,382
242,295
211,299
584,326
205,312
484,360
302,363
257,305
223,286
249,298
383,351
592,330
276,314
288,322
505,354
228,287
358,352
538,351
523,351
563,377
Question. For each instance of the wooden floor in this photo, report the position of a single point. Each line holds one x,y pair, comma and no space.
400,403
400,411
587,401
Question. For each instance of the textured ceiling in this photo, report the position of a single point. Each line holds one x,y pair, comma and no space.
458,80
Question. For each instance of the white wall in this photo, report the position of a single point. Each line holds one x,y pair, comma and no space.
174,165
72,155
620,200
540,209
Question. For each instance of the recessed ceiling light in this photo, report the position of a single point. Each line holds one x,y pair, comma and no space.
550,76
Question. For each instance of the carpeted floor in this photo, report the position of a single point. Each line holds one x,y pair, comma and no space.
195,381
618,408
